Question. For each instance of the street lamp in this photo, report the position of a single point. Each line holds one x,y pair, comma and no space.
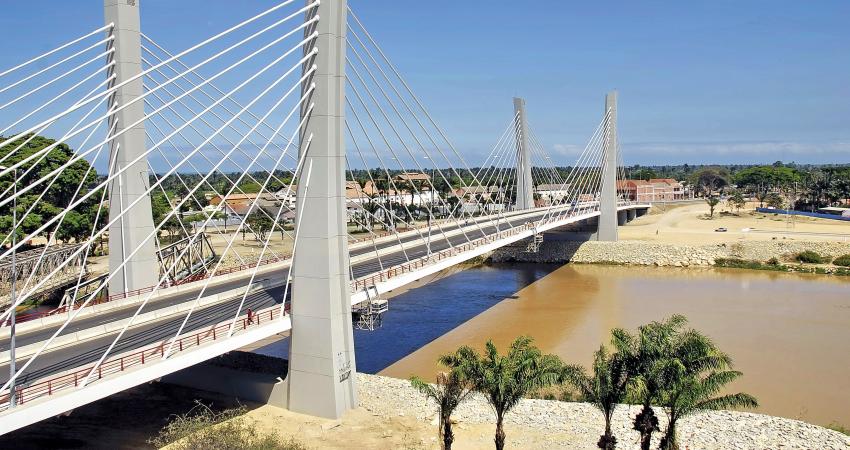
12,399
428,243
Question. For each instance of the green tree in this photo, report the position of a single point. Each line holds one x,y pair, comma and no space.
765,179
75,226
605,388
710,179
42,201
260,224
449,392
644,173
736,200
505,379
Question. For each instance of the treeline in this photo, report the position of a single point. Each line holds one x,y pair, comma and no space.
799,186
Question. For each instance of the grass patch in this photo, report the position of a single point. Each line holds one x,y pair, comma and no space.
835,426
737,263
774,265
202,428
810,257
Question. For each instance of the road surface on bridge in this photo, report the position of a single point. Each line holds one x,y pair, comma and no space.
88,351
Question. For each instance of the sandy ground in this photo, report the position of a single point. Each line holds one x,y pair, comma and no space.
365,430
688,224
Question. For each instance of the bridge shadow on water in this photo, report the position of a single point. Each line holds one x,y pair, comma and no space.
421,315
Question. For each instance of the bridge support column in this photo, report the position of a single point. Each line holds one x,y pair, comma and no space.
127,233
321,358
608,197
524,184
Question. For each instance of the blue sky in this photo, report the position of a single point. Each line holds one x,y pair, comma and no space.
699,81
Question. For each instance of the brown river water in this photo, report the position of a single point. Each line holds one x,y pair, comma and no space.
789,334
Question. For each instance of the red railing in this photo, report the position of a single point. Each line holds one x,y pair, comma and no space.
28,393
365,282
371,280
97,301
122,295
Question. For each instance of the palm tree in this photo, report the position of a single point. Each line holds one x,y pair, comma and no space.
693,375
647,358
604,389
449,392
505,380
712,202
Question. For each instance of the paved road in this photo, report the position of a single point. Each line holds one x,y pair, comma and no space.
89,351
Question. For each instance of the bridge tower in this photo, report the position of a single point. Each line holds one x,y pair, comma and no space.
608,196
524,185
128,233
321,360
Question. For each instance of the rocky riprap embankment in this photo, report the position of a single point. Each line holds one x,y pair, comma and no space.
578,425
662,254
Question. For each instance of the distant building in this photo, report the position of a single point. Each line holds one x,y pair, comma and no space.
654,190
552,193
239,205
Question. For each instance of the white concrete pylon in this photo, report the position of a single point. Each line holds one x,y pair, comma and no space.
608,194
129,232
524,184
321,361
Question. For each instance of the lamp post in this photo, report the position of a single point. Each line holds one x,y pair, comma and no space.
428,243
12,399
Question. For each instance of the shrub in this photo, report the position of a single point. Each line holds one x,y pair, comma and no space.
201,427
843,260
809,256
773,261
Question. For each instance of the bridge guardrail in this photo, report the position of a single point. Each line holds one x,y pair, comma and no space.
356,285
372,280
39,389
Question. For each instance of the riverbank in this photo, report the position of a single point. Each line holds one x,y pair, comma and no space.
394,415
781,329
647,253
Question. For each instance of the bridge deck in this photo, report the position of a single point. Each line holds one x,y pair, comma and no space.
53,373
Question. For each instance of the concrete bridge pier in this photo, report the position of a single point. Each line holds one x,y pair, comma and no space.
321,379
608,217
524,183
128,233
622,217
632,214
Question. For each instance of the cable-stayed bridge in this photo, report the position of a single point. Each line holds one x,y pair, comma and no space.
132,177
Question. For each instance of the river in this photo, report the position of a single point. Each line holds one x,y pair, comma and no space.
787,333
